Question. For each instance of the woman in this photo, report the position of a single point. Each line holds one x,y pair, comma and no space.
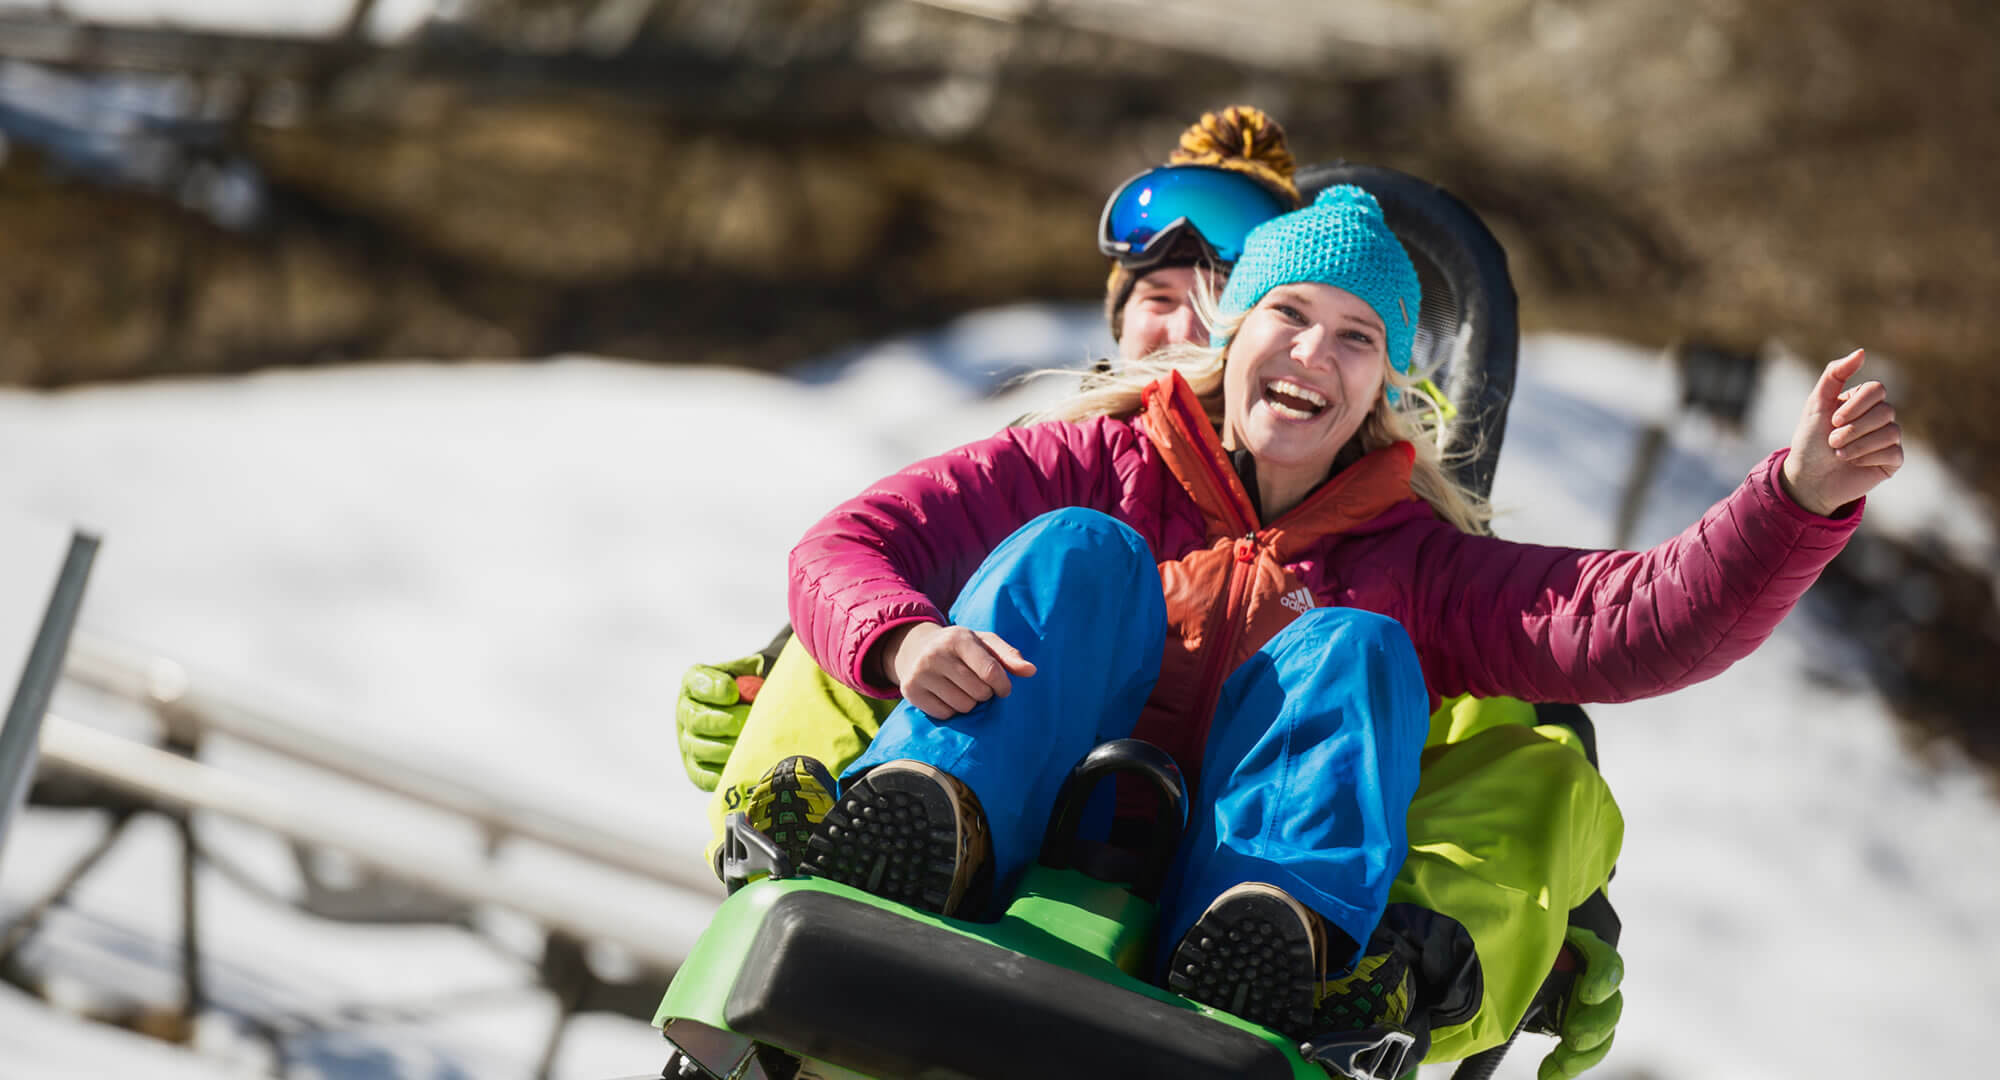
1168,232
1255,561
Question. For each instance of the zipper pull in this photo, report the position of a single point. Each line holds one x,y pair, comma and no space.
1246,548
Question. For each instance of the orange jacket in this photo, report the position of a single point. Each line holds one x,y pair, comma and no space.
1230,595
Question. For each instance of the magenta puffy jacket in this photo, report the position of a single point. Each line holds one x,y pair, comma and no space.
1487,616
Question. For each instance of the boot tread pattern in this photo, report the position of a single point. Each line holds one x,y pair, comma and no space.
894,835
1252,958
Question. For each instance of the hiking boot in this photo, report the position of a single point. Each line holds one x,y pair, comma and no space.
908,832
1261,955
1255,953
1369,1024
789,801
1378,991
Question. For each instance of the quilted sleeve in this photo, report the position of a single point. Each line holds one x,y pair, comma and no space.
900,551
1562,624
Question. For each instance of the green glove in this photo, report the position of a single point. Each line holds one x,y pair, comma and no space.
710,714
1590,1016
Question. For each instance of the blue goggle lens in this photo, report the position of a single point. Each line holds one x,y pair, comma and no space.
1221,205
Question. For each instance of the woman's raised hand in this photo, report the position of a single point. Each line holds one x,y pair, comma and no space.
1846,443
947,670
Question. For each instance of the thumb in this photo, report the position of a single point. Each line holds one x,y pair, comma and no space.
710,685
1603,968
1009,657
1833,379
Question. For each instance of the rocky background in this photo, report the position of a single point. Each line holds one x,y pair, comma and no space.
757,181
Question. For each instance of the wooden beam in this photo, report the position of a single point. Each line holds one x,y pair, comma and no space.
648,933
60,40
164,685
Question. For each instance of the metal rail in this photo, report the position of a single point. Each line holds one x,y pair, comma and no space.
22,728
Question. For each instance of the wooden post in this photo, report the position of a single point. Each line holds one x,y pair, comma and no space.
356,27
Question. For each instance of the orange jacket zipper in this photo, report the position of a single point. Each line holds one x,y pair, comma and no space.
1219,640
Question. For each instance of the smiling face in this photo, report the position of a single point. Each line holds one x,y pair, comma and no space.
1304,370
1161,312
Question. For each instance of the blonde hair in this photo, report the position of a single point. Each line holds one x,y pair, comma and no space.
1415,419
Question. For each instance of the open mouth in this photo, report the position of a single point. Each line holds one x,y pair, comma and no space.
1292,401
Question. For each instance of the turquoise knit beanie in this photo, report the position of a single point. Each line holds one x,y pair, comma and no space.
1340,240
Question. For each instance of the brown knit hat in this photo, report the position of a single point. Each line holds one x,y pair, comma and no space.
1239,138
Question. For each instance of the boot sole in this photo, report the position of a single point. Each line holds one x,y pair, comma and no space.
894,834
1252,958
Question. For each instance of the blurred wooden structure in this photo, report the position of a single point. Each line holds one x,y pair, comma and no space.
750,182
537,176
649,914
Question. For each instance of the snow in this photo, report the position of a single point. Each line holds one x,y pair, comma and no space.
498,572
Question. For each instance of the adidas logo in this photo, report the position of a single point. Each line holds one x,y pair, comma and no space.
1299,599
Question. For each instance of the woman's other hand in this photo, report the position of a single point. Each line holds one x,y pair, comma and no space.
1847,440
947,670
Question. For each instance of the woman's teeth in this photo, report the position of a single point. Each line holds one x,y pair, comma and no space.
1292,401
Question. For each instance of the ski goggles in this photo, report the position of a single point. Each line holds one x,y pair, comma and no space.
1218,206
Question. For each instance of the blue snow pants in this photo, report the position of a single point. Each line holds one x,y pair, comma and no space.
1311,759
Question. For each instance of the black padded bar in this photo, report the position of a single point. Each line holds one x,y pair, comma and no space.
850,984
